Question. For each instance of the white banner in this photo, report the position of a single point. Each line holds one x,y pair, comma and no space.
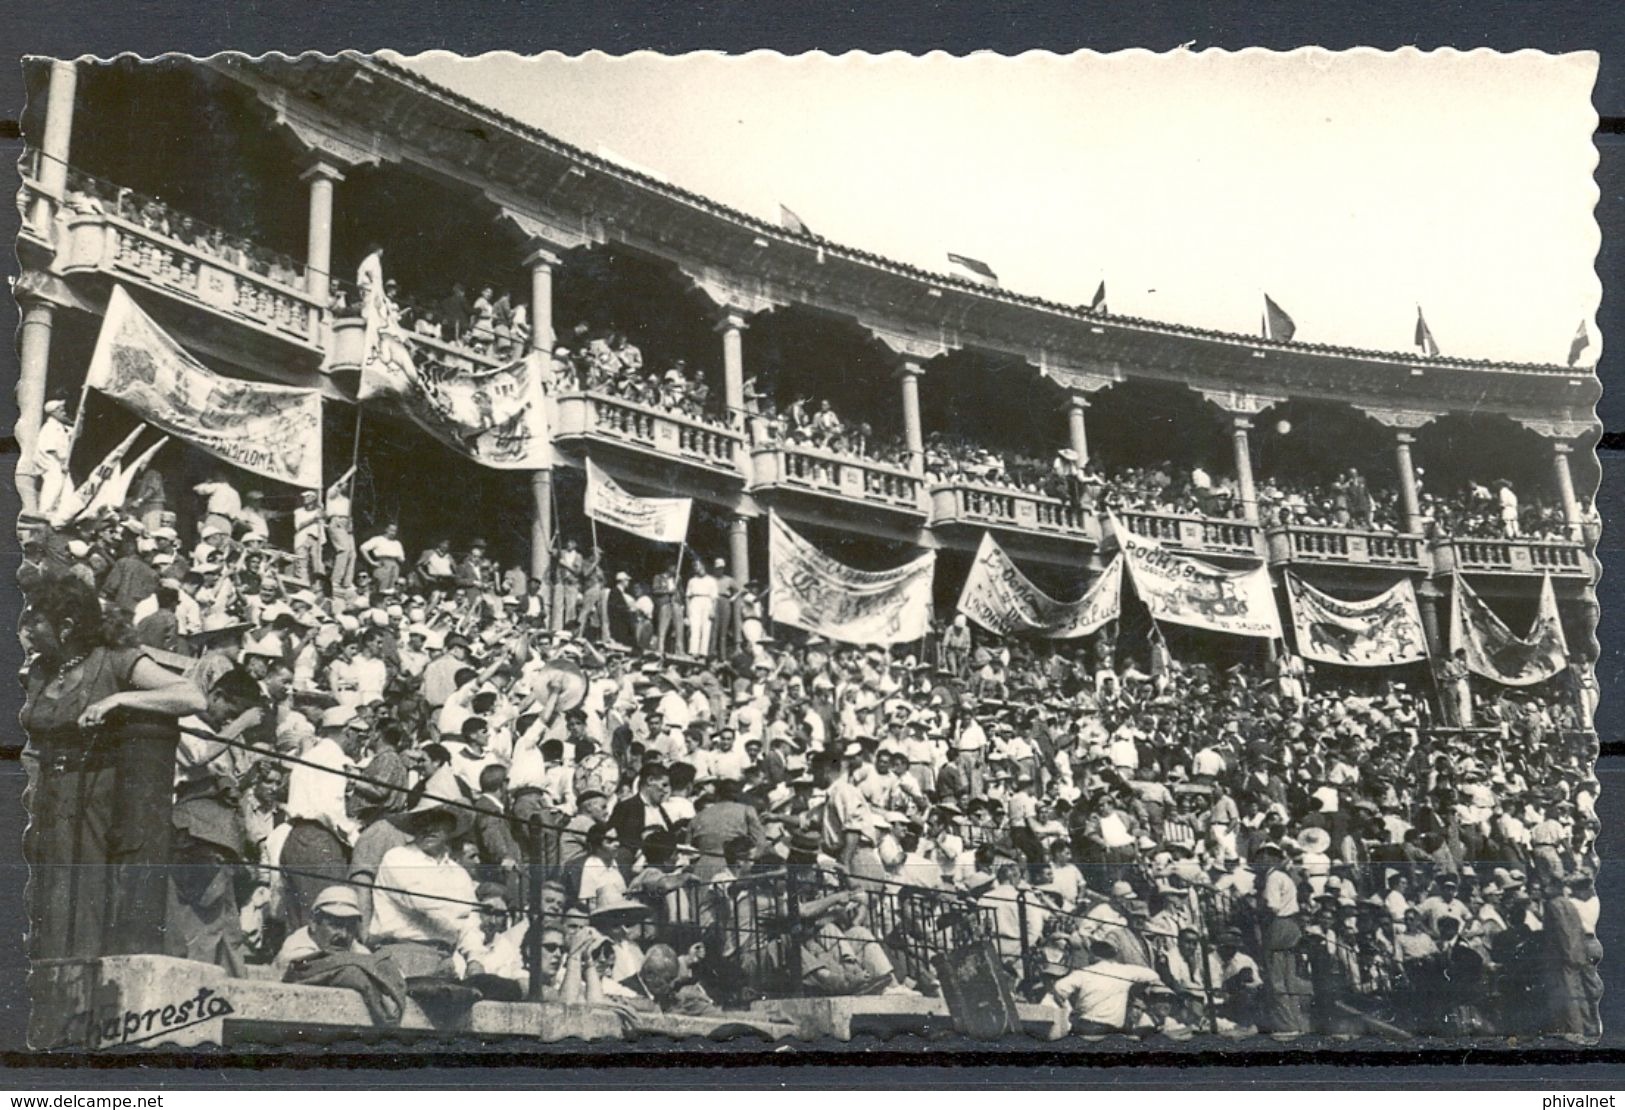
493,415
810,590
1001,599
271,430
662,519
71,503
1183,590
1491,648
1381,631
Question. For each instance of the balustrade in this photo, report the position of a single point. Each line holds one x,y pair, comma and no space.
1199,534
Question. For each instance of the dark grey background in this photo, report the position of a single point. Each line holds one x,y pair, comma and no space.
62,28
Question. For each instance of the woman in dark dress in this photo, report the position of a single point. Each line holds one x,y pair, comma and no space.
100,716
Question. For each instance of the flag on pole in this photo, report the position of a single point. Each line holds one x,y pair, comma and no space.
71,503
116,490
1277,324
1424,335
792,222
1582,340
974,268
661,519
1098,305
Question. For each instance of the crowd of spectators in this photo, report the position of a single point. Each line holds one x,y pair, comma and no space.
380,770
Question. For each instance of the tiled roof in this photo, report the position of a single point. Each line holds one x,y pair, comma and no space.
761,226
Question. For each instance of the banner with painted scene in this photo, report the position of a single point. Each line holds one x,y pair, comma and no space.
494,415
1003,600
1491,648
810,590
661,519
1381,631
1183,590
271,430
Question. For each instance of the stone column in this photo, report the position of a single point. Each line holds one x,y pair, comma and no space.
1244,468
34,350
1409,503
913,435
541,523
319,235
739,549
1075,408
732,325
541,262
1565,488
55,143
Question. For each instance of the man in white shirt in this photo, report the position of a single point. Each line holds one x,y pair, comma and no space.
385,556
1098,996
223,505
423,907
500,951
316,852
701,593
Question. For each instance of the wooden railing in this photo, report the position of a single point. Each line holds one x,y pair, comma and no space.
1202,534
845,476
963,502
1303,544
649,428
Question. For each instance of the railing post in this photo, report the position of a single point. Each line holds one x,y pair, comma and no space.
535,908
792,916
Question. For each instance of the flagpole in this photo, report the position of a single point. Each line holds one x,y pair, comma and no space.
355,446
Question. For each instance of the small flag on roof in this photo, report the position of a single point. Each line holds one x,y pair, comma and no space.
792,222
1098,305
974,268
1277,324
1582,340
1424,335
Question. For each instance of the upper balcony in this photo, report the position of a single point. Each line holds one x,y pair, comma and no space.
1471,555
1298,544
104,230
657,436
838,479
1203,536
979,506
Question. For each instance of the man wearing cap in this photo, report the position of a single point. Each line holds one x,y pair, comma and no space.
309,537
1442,903
1286,994
334,927
341,533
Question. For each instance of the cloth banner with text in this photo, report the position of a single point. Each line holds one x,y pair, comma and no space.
1491,648
496,416
1183,590
1381,631
810,590
661,519
1001,599
272,430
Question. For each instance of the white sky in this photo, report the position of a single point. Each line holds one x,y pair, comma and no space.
1351,187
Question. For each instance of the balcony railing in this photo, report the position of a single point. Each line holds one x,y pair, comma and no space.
647,428
984,506
118,247
854,479
1198,534
1563,558
1303,544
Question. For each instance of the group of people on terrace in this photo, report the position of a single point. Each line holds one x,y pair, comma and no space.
394,780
